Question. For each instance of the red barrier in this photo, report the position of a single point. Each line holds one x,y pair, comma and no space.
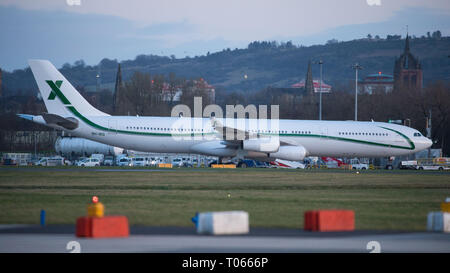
329,220
311,220
102,227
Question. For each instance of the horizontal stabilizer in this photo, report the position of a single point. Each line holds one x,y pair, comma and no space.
52,119
26,116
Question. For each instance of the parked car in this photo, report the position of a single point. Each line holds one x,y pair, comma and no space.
41,162
187,165
139,162
357,165
9,161
100,157
154,161
89,162
109,161
433,168
124,161
177,162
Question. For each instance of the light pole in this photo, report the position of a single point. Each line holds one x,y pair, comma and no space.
99,72
320,62
98,82
357,67
35,149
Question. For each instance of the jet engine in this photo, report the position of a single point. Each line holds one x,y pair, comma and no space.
293,153
263,145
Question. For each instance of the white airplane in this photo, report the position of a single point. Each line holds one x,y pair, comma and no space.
292,140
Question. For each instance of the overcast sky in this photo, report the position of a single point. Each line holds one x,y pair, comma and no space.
63,31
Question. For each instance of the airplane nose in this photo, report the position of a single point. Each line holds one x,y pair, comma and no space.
428,143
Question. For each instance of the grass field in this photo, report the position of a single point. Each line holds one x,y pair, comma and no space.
274,198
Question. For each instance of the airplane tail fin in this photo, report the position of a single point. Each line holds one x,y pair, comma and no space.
59,96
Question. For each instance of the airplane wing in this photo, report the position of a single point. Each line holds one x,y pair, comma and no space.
223,130
244,135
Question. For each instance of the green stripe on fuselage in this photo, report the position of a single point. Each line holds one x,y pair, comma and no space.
99,127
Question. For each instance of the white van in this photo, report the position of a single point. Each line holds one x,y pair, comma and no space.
124,161
109,161
139,162
52,161
89,162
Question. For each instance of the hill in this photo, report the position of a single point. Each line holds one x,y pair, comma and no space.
264,63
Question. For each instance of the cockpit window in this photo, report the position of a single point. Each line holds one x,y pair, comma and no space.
417,134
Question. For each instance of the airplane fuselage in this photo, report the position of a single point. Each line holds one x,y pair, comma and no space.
187,135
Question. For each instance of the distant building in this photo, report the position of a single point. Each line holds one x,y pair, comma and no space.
326,88
174,95
407,70
378,82
171,96
202,84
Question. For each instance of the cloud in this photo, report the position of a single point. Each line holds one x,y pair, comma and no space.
122,30
235,20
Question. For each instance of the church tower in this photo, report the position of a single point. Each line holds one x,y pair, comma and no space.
117,90
309,86
407,70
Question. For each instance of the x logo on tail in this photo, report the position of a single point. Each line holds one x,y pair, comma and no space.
56,92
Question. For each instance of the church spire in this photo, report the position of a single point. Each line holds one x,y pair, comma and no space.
309,86
117,88
407,43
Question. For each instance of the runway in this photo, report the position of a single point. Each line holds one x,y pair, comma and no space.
54,239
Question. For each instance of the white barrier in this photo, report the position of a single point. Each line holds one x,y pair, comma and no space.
446,222
438,221
222,223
